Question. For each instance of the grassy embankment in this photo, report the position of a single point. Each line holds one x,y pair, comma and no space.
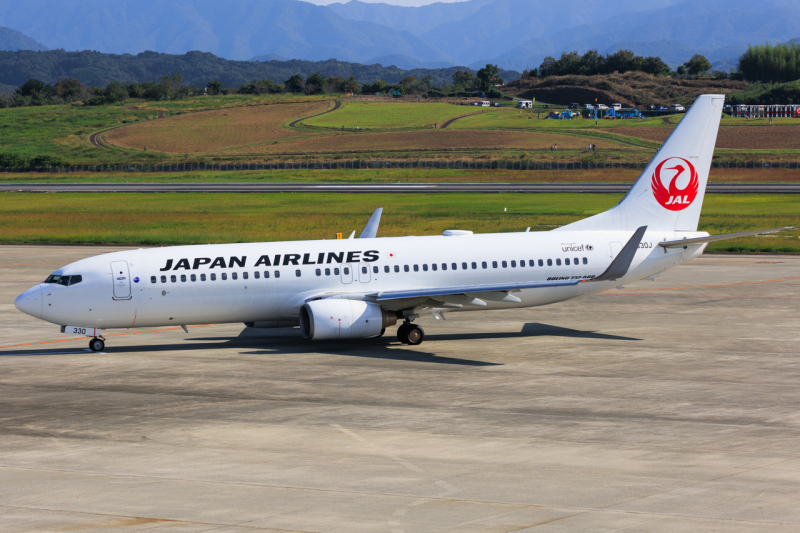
155,219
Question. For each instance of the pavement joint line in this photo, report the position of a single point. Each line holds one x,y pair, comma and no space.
109,335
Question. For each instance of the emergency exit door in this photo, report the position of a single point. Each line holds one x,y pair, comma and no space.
121,279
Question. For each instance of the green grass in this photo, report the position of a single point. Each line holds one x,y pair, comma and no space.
156,219
389,116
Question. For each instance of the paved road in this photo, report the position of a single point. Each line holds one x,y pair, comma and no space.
671,403
780,188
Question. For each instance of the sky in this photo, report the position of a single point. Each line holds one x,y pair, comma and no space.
407,3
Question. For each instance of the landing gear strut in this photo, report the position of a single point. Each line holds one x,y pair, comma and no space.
97,344
409,333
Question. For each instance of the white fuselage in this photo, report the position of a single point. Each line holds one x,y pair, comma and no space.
172,286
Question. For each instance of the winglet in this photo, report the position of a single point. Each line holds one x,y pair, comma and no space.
620,265
371,229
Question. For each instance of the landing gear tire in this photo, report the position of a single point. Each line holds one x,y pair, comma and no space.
96,345
415,335
402,333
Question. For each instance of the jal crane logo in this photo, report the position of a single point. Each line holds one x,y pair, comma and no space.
675,170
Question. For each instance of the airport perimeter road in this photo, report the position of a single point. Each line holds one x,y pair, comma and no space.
665,406
783,188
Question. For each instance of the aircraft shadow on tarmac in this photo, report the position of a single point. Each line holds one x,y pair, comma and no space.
288,341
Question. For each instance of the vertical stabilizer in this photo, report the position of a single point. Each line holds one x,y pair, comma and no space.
669,193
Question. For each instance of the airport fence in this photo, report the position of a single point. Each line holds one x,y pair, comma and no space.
363,164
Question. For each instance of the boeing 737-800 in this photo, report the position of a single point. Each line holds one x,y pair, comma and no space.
356,288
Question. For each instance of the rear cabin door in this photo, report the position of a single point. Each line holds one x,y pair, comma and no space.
121,279
347,273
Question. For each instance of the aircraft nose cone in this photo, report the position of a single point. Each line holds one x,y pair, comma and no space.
30,302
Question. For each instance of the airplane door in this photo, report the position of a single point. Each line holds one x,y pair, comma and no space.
121,279
616,248
363,273
347,273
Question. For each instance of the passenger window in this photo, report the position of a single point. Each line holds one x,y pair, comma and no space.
152,279
234,275
416,268
277,273
397,268
203,277
213,277
244,275
474,266
444,266
297,273
375,269
183,278
549,262
531,263
256,275
558,262
494,264
385,269
521,263
464,266
425,267
224,276
319,272
163,279
364,270
346,271
173,278
434,267
454,266
405,268
335,271
585,261
483,264
566,261
193,277
266,274
575,261
513,264
541,263
327,271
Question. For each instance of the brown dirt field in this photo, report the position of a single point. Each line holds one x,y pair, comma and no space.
213,130
429,140
733,137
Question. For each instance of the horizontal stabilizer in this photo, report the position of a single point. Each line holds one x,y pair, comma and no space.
620,265
713,238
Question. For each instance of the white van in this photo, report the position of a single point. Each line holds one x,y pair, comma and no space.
524,104
616,107
486,103
602,106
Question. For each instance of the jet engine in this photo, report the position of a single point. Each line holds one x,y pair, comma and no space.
335,318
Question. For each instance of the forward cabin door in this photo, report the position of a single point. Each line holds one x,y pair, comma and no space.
121,279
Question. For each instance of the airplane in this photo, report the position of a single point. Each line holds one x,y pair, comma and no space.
356,288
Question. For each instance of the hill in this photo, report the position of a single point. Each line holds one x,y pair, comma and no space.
95,68
629,89
12,40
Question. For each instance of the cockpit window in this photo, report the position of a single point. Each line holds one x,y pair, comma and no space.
64,280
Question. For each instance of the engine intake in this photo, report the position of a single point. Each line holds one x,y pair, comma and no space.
343,319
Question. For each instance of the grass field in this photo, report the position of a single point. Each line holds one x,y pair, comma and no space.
156,219
393,175
390,116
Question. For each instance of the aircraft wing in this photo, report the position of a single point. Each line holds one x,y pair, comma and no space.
471,292
713,238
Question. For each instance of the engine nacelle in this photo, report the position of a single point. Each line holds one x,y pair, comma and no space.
335,318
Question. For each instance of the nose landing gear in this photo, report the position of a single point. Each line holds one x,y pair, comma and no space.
97,344
409,333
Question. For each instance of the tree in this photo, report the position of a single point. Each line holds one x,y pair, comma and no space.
463,79
315,83
697,64
295,83
487,74
34,89
214,87
69,89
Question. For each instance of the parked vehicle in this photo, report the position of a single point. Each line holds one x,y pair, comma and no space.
602,106
677,107
575,106
652,107
524,104
588,106
616,107
498,104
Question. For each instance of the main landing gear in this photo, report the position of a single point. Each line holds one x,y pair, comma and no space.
97,344
409,333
